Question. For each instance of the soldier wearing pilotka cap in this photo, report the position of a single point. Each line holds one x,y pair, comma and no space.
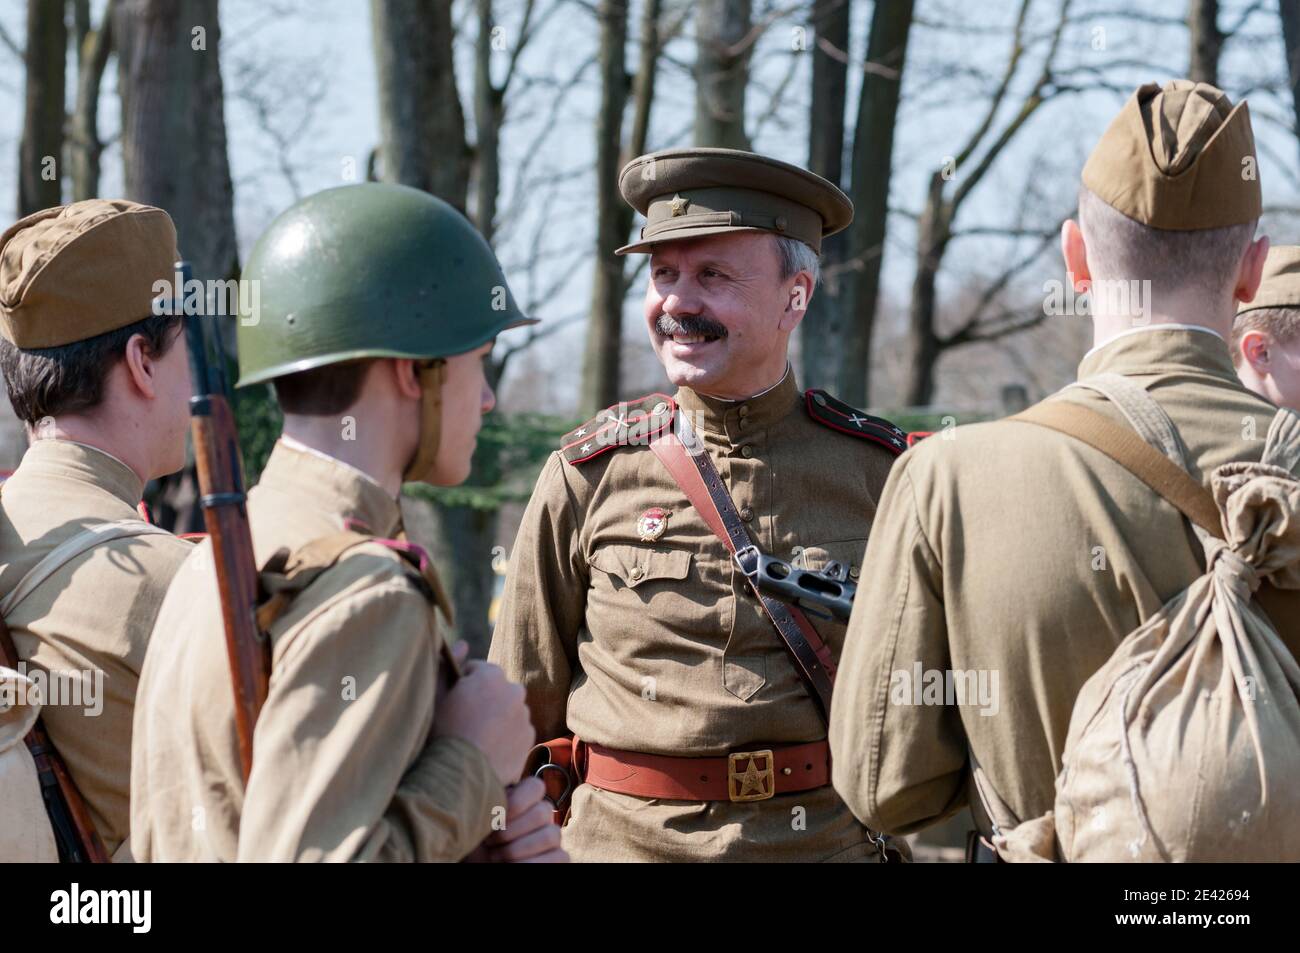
1266,334
700,732
101,382
1018,551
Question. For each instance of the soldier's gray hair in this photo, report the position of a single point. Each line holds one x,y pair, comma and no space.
1202,261
795,257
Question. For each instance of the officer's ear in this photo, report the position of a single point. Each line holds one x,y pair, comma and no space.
1251,271
1075,252
796,306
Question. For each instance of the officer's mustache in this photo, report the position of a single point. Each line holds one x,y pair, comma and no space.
690,325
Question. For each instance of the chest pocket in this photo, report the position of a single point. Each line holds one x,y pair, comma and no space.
636,565
847,552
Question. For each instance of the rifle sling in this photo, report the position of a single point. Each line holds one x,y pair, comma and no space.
699,479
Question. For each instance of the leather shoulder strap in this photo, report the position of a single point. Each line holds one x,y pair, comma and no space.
1125,447
694,472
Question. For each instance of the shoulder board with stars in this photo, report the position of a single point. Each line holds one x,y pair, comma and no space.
834,413
629,424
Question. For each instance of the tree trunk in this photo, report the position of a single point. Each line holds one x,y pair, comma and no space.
600,375
932,240
723,46
1289,10
823,324
601,371
40,150
424,146
85,148
488,115
873,147
174,157
1206,40
173,125
422,127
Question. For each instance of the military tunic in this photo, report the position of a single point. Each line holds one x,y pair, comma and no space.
644,636
1018,552
92,617
344,766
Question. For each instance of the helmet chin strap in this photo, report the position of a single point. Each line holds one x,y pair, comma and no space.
430,375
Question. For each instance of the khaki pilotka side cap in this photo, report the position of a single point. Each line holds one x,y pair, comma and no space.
76,271
1280,285
690,193
1180,158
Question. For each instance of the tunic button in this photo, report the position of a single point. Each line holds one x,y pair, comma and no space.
637,572
658,409
744,410
746,451
746,513
820,399
853,572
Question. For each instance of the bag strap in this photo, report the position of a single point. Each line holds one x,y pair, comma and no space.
682,452
74,830
1141,410
1123,445
285,574
69,550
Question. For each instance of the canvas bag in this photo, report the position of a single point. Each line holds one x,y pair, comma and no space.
26,835
1183,746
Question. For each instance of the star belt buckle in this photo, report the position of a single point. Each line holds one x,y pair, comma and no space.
747,780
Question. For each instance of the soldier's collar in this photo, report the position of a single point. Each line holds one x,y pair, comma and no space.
1160,347
762,410
331,486
82,461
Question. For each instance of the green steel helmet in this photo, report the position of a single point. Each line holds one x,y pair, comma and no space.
369,270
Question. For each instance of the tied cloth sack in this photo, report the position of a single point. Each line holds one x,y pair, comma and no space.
1183,746
25,832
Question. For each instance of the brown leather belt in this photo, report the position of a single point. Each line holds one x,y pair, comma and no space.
739,776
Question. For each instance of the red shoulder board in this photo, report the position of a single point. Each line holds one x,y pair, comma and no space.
837,415
631,423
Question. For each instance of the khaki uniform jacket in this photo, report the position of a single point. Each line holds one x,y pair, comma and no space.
344,764
93,616
660,647
1014,552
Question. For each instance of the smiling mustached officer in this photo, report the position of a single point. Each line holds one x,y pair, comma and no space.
699,708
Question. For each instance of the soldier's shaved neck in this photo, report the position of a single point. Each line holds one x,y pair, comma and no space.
1187,277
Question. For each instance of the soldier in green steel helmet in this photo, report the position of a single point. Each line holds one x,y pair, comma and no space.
378,306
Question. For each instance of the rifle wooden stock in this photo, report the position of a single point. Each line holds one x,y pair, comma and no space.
74,831
220,468
220,473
